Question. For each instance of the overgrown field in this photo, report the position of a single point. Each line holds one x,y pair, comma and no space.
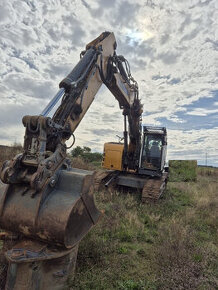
168,245
172,244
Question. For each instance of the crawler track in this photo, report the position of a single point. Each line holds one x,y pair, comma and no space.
154,188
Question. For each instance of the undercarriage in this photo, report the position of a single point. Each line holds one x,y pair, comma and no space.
151,188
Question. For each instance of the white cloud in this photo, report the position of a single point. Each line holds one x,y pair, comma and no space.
194,144
201,112
170,45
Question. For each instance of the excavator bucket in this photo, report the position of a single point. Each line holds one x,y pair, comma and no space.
62,214
34,265
49,224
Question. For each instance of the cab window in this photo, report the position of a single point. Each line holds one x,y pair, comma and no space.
151,155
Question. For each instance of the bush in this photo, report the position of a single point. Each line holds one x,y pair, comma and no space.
86,154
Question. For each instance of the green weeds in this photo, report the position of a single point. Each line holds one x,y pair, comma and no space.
172,244
168,245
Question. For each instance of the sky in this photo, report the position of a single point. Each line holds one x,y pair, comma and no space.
171,46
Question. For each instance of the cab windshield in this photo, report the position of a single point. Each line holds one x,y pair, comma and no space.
151,154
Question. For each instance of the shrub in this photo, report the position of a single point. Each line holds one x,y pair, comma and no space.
86,154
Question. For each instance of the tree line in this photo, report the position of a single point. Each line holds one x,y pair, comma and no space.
86,154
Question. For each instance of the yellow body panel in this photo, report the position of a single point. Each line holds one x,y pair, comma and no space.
113,153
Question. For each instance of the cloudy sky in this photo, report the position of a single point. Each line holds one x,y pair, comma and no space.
172,49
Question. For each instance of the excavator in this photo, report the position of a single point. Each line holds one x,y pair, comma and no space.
150,173
46,205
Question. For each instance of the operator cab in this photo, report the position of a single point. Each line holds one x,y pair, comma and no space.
153,150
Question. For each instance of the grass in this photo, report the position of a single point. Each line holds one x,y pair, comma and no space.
168,245
80,163
8,152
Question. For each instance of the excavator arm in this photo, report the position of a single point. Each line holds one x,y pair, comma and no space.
99,65
45,137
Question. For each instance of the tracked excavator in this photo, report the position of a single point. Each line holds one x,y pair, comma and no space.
46,204
148,174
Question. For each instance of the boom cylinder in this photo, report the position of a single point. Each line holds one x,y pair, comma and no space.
80,70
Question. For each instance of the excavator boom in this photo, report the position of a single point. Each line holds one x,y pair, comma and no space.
44,146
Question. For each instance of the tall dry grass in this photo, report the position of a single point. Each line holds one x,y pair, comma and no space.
169,245
8,152
187,250
78,162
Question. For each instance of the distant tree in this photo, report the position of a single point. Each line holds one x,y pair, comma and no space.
77,151
86,149
86,154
